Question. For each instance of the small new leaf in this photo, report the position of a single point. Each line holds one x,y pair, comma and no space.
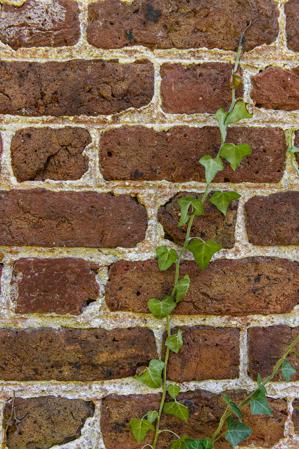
234,154
140,428
175,342
152,416
212,167
236,432
239,112
199,444
173,391
161,308
188,205
176,409
288,371
166,257
179,444
203,251
233,407
152,376
182,287
220,116
222,200
294,149
259,404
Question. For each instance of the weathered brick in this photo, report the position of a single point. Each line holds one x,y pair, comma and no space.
74,87
266,285
276,88
213,225
47,285
43,422
267,345
74,354
49,153
207,353
273,220
195,88
292,17
176,152
205,410
50,23
296,415
181,23
88,219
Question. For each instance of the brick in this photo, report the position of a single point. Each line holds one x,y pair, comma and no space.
195,88
72,219
47,285
273,220
181,24
266,285
74,87
74,354
176,152
38,154
276,88
213,225
205,410
296,415
44,421
266,346
292,18
207,353
50,23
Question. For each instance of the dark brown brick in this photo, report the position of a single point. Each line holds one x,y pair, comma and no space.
205,410
207,353
292,16
181,23
267,345
266,285
195,88
47,285
43,422
74,354
40,24
176,152
74,87
296,415
43,218
38,154
213,225
274,219
276,88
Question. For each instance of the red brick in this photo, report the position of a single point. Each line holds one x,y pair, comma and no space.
195,88
181,23
273,220
74,87
44,421
74,354
40,24
266,285
276,88
176,152
296,415
38,154
292,17
88,219
267,345
47,285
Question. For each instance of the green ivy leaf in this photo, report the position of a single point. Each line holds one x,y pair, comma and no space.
152,376
239,112
288,371
175,342
182,287
179,444
233,407
220,116
161,308
294,149
176,409
140,428
222,200
152,416
234,154
236,432
206,443
203,251
166,257
259,404
212,167
189,204
173,391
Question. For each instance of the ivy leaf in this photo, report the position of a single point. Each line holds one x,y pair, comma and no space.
288,371
175,342
233,407
222,200
179,444
236,432
140,428
152,376
203,251
166,257
187,202
152,416
182,287
294,149
239,112
173,390
220,116
212,167
161,308
206,443
259,404
234,154
176,409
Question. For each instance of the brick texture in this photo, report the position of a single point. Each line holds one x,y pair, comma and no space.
292,17
296,415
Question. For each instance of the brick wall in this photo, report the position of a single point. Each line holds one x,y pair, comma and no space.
105,110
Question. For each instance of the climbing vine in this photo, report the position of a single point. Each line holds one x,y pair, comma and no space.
231,424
